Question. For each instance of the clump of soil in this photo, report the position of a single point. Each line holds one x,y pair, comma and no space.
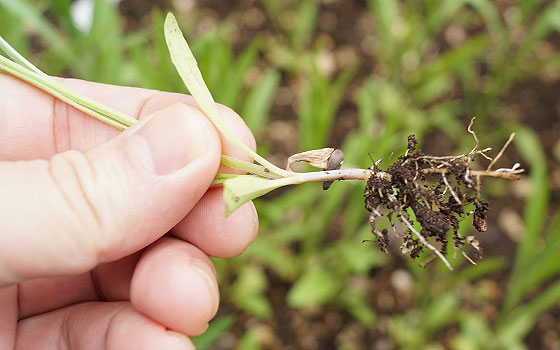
438,193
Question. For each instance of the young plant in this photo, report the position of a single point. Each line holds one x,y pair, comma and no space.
400,191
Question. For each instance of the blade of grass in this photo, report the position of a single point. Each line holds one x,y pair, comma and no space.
305,23
258,102
215,331
319,105
105,45
32,16
236,77
544,266
535,211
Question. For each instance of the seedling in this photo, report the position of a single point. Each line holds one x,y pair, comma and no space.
435,189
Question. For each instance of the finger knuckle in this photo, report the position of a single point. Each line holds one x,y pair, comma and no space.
74,177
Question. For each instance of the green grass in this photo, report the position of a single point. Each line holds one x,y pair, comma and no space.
411,91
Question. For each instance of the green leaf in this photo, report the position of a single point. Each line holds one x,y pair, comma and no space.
104,41
243,188
483,268
248,291
279,260
240,189
215,330
187,67
475,333
32,16
305,23
440,312
316,286
259,100
249,341
236,76
356,303
319,104
360,258
184,61
535,212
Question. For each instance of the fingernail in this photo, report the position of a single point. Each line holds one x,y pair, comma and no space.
170,139
208,273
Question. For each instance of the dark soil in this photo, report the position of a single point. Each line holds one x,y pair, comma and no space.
440,201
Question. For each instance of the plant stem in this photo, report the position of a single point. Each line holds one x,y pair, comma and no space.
331,175
95,109
248,167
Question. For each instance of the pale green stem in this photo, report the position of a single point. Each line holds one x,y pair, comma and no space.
319,176
331,175
103,113
248,167
73,99
14,55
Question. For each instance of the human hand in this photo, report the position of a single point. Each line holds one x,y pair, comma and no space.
85,261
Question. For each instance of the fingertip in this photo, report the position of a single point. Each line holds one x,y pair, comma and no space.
174,284
129,329
181,340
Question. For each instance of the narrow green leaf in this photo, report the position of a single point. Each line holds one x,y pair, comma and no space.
249,291
187,67
534,214
305,23
440,312
184,61
33,17
356,303
316,286
215,331
249,341
237,73
259,100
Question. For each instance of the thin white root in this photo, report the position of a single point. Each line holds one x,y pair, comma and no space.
425,242
476,140
468,258
501,151
451,189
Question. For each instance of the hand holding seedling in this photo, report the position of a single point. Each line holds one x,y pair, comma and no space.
85,209
88,214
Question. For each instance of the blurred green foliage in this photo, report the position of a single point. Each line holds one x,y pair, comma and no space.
310,240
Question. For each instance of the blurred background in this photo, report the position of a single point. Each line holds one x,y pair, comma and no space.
360,76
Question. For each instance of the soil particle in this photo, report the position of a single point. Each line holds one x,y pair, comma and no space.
480,214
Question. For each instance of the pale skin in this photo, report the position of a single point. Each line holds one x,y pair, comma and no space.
106,235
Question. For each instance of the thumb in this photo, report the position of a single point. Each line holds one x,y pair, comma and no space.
66,215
